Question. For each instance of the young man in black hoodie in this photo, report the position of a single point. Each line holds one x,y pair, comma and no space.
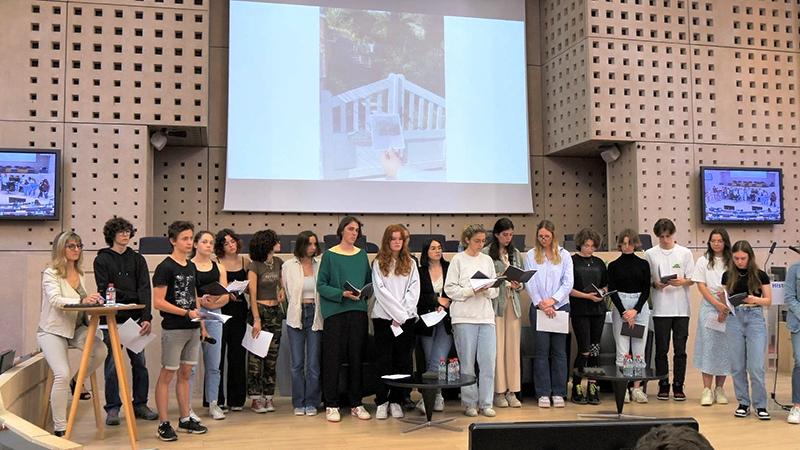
127,271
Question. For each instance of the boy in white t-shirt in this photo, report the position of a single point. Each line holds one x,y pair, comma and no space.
670,305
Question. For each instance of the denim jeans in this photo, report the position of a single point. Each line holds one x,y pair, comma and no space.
477,342
141,379
549,360
305,345
212,354
747,331
436,346
796,369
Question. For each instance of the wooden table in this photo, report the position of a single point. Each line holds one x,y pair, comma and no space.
110,313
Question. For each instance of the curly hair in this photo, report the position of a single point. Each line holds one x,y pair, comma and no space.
219,241
261,245
670,437
114,226
385,258
178,227
587,234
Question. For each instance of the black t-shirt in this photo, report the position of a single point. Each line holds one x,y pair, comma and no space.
741,282
181,291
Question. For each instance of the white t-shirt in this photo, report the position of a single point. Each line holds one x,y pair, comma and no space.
711,277
672,301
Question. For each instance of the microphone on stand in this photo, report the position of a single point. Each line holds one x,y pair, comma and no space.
771,251
794,249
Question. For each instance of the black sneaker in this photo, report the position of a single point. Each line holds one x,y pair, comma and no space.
144,412
762,414
593,398
577,394
59,433
166,433
112,417
191,426
663,392
742,411
677,393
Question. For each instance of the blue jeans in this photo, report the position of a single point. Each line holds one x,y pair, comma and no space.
141,380
549,360
212,354
477,342
304,345
796,369
436,346
747,332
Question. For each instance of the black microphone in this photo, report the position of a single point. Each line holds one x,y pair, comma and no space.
794,249
209,340
771,250
772,247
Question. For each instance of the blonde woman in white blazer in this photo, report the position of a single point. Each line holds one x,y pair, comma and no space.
63,284
304,323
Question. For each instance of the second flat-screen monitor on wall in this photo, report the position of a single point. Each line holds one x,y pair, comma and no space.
378,106
738,195
29,184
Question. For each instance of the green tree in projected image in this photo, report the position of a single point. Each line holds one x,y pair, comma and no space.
361,47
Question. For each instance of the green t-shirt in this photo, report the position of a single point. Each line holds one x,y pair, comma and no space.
334,270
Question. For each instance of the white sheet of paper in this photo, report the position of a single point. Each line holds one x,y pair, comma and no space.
216,316
397,376
258,346
130,339
397,331
478,283
432,318
237,286
713,324
558,324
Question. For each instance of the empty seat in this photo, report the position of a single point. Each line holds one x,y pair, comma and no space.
416,241
154,245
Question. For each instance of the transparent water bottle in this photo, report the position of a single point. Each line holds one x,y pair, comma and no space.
639,365
627,366
111,295
451,366
456,369
442,369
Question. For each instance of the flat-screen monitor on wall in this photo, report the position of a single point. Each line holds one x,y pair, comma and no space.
738,195
29,184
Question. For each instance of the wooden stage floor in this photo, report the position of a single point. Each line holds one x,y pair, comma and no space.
282,430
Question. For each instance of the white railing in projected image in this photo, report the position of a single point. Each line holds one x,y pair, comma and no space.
346,138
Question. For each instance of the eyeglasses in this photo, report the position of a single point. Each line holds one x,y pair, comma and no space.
544,238
75,246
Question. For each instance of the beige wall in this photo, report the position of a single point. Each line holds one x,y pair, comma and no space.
64,100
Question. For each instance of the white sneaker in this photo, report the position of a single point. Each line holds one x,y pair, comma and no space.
396,410
627,395
311,411
500,401
544,402
794,415
470,411
215,411
360,412
707,397
558,402
299,411
513,401
488,412
194,416
268,404
438,404
332,414
382,412
420,406
639,396
719,396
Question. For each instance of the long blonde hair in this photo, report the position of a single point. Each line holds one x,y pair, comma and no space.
540,250
58,255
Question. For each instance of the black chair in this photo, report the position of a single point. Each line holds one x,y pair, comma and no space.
451,246
416,241
518,240
154,245
646,240
246,242
287,242
332,240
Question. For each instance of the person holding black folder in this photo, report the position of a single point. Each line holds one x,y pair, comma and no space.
587,311
395,279
473,319
508,316
747,329
62,285
344,332
629,284
549,290
211,278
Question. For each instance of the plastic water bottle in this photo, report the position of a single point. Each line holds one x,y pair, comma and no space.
111,295
639,365
456,369
442,369
627,366
451,366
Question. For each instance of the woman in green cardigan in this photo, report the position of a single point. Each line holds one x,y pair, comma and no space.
345,313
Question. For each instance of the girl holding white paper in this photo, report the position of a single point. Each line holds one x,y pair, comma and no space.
711,354
549,290
629,276
208,273
395,279
472,316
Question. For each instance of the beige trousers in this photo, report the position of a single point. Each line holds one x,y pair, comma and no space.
507,368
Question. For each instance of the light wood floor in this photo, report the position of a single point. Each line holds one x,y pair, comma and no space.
282,430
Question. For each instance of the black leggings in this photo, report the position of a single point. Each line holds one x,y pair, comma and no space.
588,331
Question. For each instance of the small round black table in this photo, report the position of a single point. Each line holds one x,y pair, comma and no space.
428,388
619,382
